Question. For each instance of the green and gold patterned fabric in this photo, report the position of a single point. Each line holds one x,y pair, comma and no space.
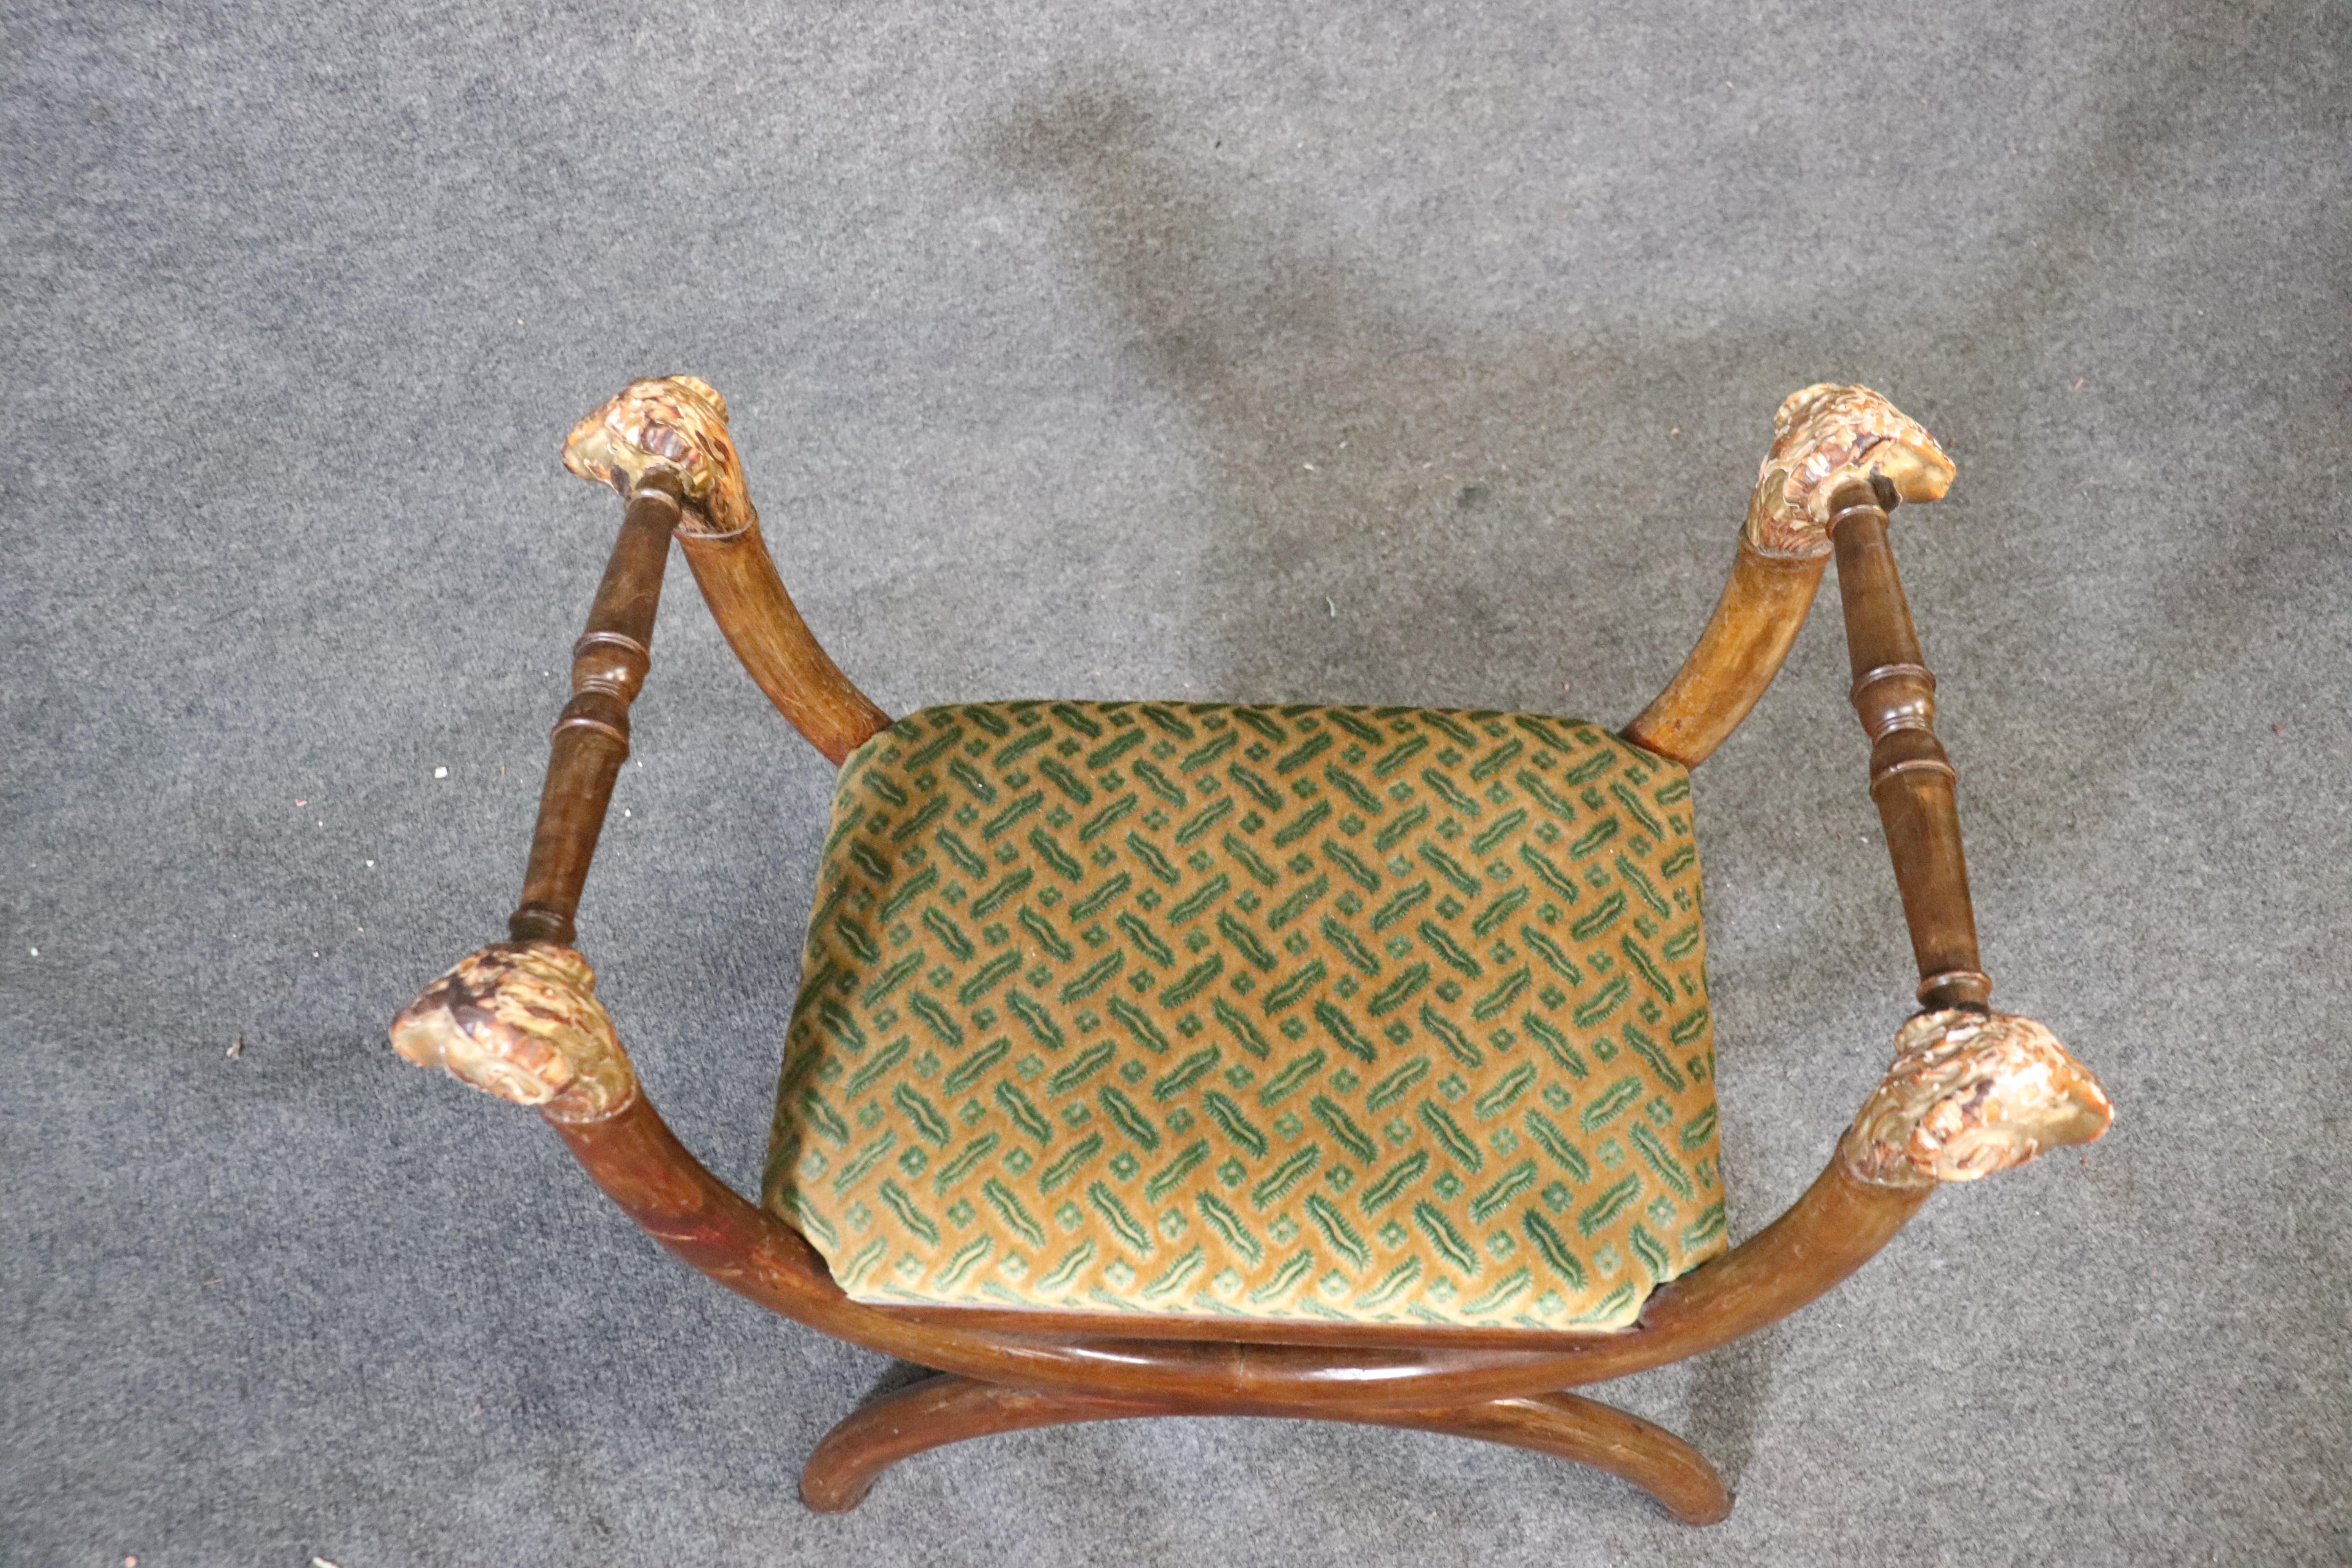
1322,1013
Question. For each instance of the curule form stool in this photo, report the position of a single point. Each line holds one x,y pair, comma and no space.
1348,1064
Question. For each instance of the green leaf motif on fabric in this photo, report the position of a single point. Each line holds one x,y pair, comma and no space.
1311,1014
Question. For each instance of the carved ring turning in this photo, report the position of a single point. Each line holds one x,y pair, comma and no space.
1972,1093
521,1020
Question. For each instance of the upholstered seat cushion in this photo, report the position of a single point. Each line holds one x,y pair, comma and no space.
1362,1014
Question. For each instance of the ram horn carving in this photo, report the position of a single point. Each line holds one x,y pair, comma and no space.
1823,437
521,1020
1972,1093
673,425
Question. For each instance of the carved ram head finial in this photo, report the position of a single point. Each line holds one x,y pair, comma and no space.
1823,437
672,426
1972,1093
521,1020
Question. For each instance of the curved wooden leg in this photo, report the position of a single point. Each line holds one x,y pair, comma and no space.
930,1414
948,1409
1591,1433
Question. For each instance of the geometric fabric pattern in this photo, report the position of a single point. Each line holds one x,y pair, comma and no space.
1292,1014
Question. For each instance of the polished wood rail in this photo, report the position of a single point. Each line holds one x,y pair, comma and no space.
747,597
1911,778
949,1409
674,428
590,740
1832,1229
1971,1091
1746,641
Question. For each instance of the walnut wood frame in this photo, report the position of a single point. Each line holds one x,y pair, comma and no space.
1972,1091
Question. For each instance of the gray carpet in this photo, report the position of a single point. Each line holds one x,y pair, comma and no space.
1220,351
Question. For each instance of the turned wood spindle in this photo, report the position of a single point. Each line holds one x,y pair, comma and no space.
1911,778
590,740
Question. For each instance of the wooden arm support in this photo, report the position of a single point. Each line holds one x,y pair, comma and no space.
518,1018
1967,1095
1971,1090
1763,607
521,1021
675,427
1823,437
1911,778
590,740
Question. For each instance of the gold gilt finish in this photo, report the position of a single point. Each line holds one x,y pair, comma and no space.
1827,437
673,424
521,1020
1972,1093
